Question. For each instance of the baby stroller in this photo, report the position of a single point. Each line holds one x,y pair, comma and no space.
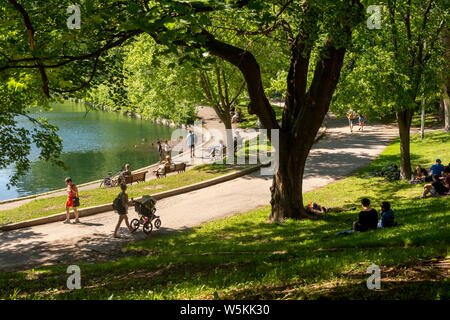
146,210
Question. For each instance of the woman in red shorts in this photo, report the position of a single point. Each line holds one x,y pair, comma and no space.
72,194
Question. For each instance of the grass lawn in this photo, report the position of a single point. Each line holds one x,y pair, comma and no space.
244,257
47,206
250,119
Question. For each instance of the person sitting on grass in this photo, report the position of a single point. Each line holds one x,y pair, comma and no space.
437,168
436,188
123,210
318,209
367,218
387,216
446,177
420,175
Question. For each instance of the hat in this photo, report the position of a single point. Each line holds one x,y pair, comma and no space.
438,160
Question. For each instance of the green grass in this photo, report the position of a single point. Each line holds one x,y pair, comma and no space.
244,257
46,206
431,120
250,119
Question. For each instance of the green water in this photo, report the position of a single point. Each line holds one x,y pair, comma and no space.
94,144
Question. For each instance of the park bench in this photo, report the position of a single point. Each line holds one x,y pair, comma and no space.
136,177
163,170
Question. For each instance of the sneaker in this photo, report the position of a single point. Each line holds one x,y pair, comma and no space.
77,221
422,197
66,221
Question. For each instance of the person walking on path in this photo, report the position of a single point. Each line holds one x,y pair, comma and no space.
122,210
351,116
72,200
191,142
362,121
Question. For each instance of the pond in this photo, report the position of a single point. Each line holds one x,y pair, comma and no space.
93,145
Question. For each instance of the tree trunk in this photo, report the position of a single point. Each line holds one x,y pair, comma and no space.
446,101
286,190
422,120
404,119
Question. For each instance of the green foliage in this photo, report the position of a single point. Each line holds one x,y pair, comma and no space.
381,76
17,98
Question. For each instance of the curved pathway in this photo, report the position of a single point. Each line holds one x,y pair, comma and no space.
335,157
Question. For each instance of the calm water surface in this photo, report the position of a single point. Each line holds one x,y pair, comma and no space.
94,144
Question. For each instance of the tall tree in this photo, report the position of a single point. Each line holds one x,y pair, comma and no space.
392,68
317,34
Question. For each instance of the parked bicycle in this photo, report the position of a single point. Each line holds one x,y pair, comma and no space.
109,180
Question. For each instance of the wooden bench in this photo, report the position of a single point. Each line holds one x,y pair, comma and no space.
179,167
136,177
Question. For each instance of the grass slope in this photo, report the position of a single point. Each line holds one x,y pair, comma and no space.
244,257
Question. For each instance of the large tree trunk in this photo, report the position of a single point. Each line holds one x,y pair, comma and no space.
286,190
446,101
404,119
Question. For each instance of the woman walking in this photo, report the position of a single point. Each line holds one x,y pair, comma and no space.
122,210
72,200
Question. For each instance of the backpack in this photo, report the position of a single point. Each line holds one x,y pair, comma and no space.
118,204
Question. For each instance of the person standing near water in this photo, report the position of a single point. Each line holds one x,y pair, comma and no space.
166,149
159,151
191,142
72,200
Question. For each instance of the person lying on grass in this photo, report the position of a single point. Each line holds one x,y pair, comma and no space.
367,218
318,209
436,188
123,211
387,216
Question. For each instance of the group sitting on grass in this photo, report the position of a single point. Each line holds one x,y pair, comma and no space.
439,176
368,218
439,187
421,175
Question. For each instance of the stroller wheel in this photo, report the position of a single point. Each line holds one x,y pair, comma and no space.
148,227
134,224
157,223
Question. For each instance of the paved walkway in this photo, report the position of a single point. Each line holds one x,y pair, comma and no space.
334,157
